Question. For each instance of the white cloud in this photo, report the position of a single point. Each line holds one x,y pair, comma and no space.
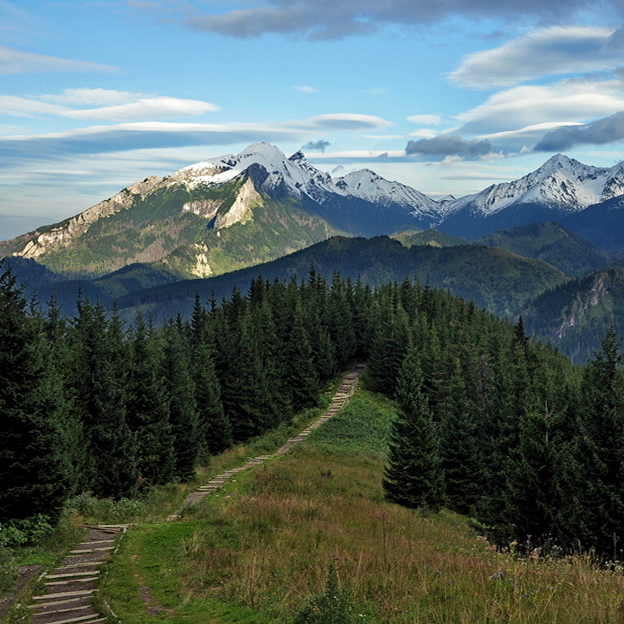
426,120
97,97
128,107
566,101
25,107
130,137
146,109
15,62
549,51
306,89
423,133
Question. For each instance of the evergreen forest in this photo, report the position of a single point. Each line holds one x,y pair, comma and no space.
492,423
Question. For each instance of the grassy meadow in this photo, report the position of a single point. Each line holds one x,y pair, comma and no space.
268,546
260,550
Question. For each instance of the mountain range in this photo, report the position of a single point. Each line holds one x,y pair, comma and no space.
227,215
239,210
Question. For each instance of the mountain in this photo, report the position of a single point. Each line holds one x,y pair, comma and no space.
551,242
560,187
576,315
493,278
235,211
601,224
221,215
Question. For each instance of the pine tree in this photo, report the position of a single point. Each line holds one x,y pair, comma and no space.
100,377
301,376
148,410
599,504
461,466
176,369
413,476
35,467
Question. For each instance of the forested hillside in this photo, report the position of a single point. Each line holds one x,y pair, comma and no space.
492,423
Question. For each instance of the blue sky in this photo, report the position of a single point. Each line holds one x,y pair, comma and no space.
448,96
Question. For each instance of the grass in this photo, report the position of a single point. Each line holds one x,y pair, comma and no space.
259,551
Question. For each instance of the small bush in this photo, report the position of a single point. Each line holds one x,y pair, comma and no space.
333,607
16,533
106,509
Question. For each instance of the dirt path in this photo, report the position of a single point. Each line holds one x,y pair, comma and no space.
339,401
70,588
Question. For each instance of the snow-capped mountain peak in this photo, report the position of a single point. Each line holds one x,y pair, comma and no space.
561,183
299,177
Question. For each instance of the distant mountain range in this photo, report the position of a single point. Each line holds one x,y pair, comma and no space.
240,210
214,222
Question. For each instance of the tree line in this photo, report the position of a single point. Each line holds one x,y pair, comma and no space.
491,423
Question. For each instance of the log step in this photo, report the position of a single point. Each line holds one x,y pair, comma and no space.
82,618
79,580
82,608
84,592
70,575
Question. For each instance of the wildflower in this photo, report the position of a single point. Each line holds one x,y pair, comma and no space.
497,575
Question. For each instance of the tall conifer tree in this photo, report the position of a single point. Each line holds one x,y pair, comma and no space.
413,477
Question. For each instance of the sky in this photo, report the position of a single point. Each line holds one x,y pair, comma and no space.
447,96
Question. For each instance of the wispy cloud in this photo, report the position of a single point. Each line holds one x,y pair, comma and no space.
130,137
125,106
306,89
599,132
16,62
347,121
426,120
549,51
572,100
146,108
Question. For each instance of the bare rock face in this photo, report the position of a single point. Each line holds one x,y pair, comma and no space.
202,268
241,209
206,208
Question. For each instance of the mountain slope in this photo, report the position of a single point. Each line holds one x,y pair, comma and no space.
550,242
409,238
601,224
577,314
492,278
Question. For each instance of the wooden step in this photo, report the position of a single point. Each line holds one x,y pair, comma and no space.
84,592
80,565
58,603
90,550
82,608
79,580
82,618
70,575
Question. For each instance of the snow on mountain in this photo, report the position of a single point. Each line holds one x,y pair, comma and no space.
367,185
295,171
561,183
301,178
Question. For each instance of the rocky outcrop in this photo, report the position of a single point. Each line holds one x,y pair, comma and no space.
599,289
241,209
